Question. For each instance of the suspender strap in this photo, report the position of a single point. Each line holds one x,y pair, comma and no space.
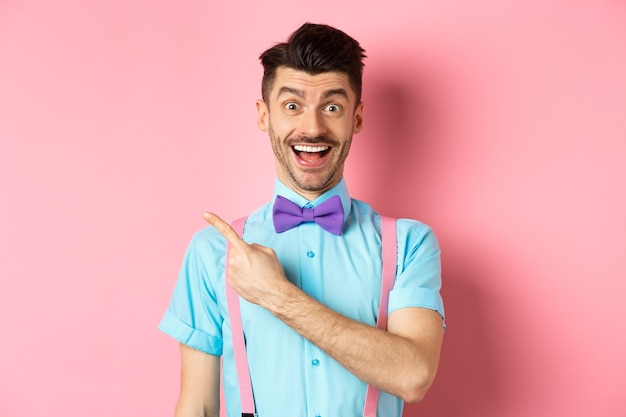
390,254
239,346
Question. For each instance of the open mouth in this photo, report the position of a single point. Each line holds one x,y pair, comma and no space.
309,153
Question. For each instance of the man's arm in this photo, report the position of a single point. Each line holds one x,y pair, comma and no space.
402,360
199,385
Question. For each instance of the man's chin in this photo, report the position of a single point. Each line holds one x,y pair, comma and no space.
315,185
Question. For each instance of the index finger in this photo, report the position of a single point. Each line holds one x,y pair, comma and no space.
225,229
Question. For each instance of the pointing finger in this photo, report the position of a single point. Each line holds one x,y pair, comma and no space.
225,229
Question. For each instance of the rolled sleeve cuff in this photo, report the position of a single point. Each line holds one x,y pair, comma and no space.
416,297
181,331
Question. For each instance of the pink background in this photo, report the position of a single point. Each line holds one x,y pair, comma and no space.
501,124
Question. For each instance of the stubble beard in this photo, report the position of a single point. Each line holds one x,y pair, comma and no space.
316,181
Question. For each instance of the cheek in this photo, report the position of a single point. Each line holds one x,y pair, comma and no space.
346,130
283,127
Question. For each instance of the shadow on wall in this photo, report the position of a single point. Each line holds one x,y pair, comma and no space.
393,157
468,383
407,131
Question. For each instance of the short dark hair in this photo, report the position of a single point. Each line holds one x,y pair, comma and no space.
315,49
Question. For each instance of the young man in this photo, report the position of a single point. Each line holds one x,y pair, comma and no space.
308,293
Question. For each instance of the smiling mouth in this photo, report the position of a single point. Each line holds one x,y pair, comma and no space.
311,153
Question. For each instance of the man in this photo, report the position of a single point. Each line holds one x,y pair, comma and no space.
309,297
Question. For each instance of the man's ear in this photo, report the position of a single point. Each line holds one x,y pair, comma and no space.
263,115
358,118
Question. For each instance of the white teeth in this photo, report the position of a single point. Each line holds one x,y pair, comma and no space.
302,148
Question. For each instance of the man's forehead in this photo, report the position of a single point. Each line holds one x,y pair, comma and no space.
293,81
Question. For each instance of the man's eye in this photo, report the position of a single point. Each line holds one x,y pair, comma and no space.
291,106
333,108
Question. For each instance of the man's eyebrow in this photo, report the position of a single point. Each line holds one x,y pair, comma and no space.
290,90
336,91
300,93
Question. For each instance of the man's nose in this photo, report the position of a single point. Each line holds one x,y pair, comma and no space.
312,124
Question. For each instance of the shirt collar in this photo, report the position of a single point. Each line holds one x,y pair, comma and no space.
340,189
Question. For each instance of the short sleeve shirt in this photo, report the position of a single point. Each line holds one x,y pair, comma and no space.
290,375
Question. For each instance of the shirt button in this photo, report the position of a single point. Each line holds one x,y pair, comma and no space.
315,362
310,254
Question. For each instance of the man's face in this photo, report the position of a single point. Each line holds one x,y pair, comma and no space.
310,120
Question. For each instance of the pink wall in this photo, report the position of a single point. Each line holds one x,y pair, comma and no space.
500,125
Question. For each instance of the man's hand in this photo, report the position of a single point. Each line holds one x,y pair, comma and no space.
254,271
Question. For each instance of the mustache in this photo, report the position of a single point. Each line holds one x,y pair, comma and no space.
313,140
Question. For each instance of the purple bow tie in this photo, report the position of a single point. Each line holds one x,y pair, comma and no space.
329,215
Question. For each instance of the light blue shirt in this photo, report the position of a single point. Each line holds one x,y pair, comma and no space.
290,375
